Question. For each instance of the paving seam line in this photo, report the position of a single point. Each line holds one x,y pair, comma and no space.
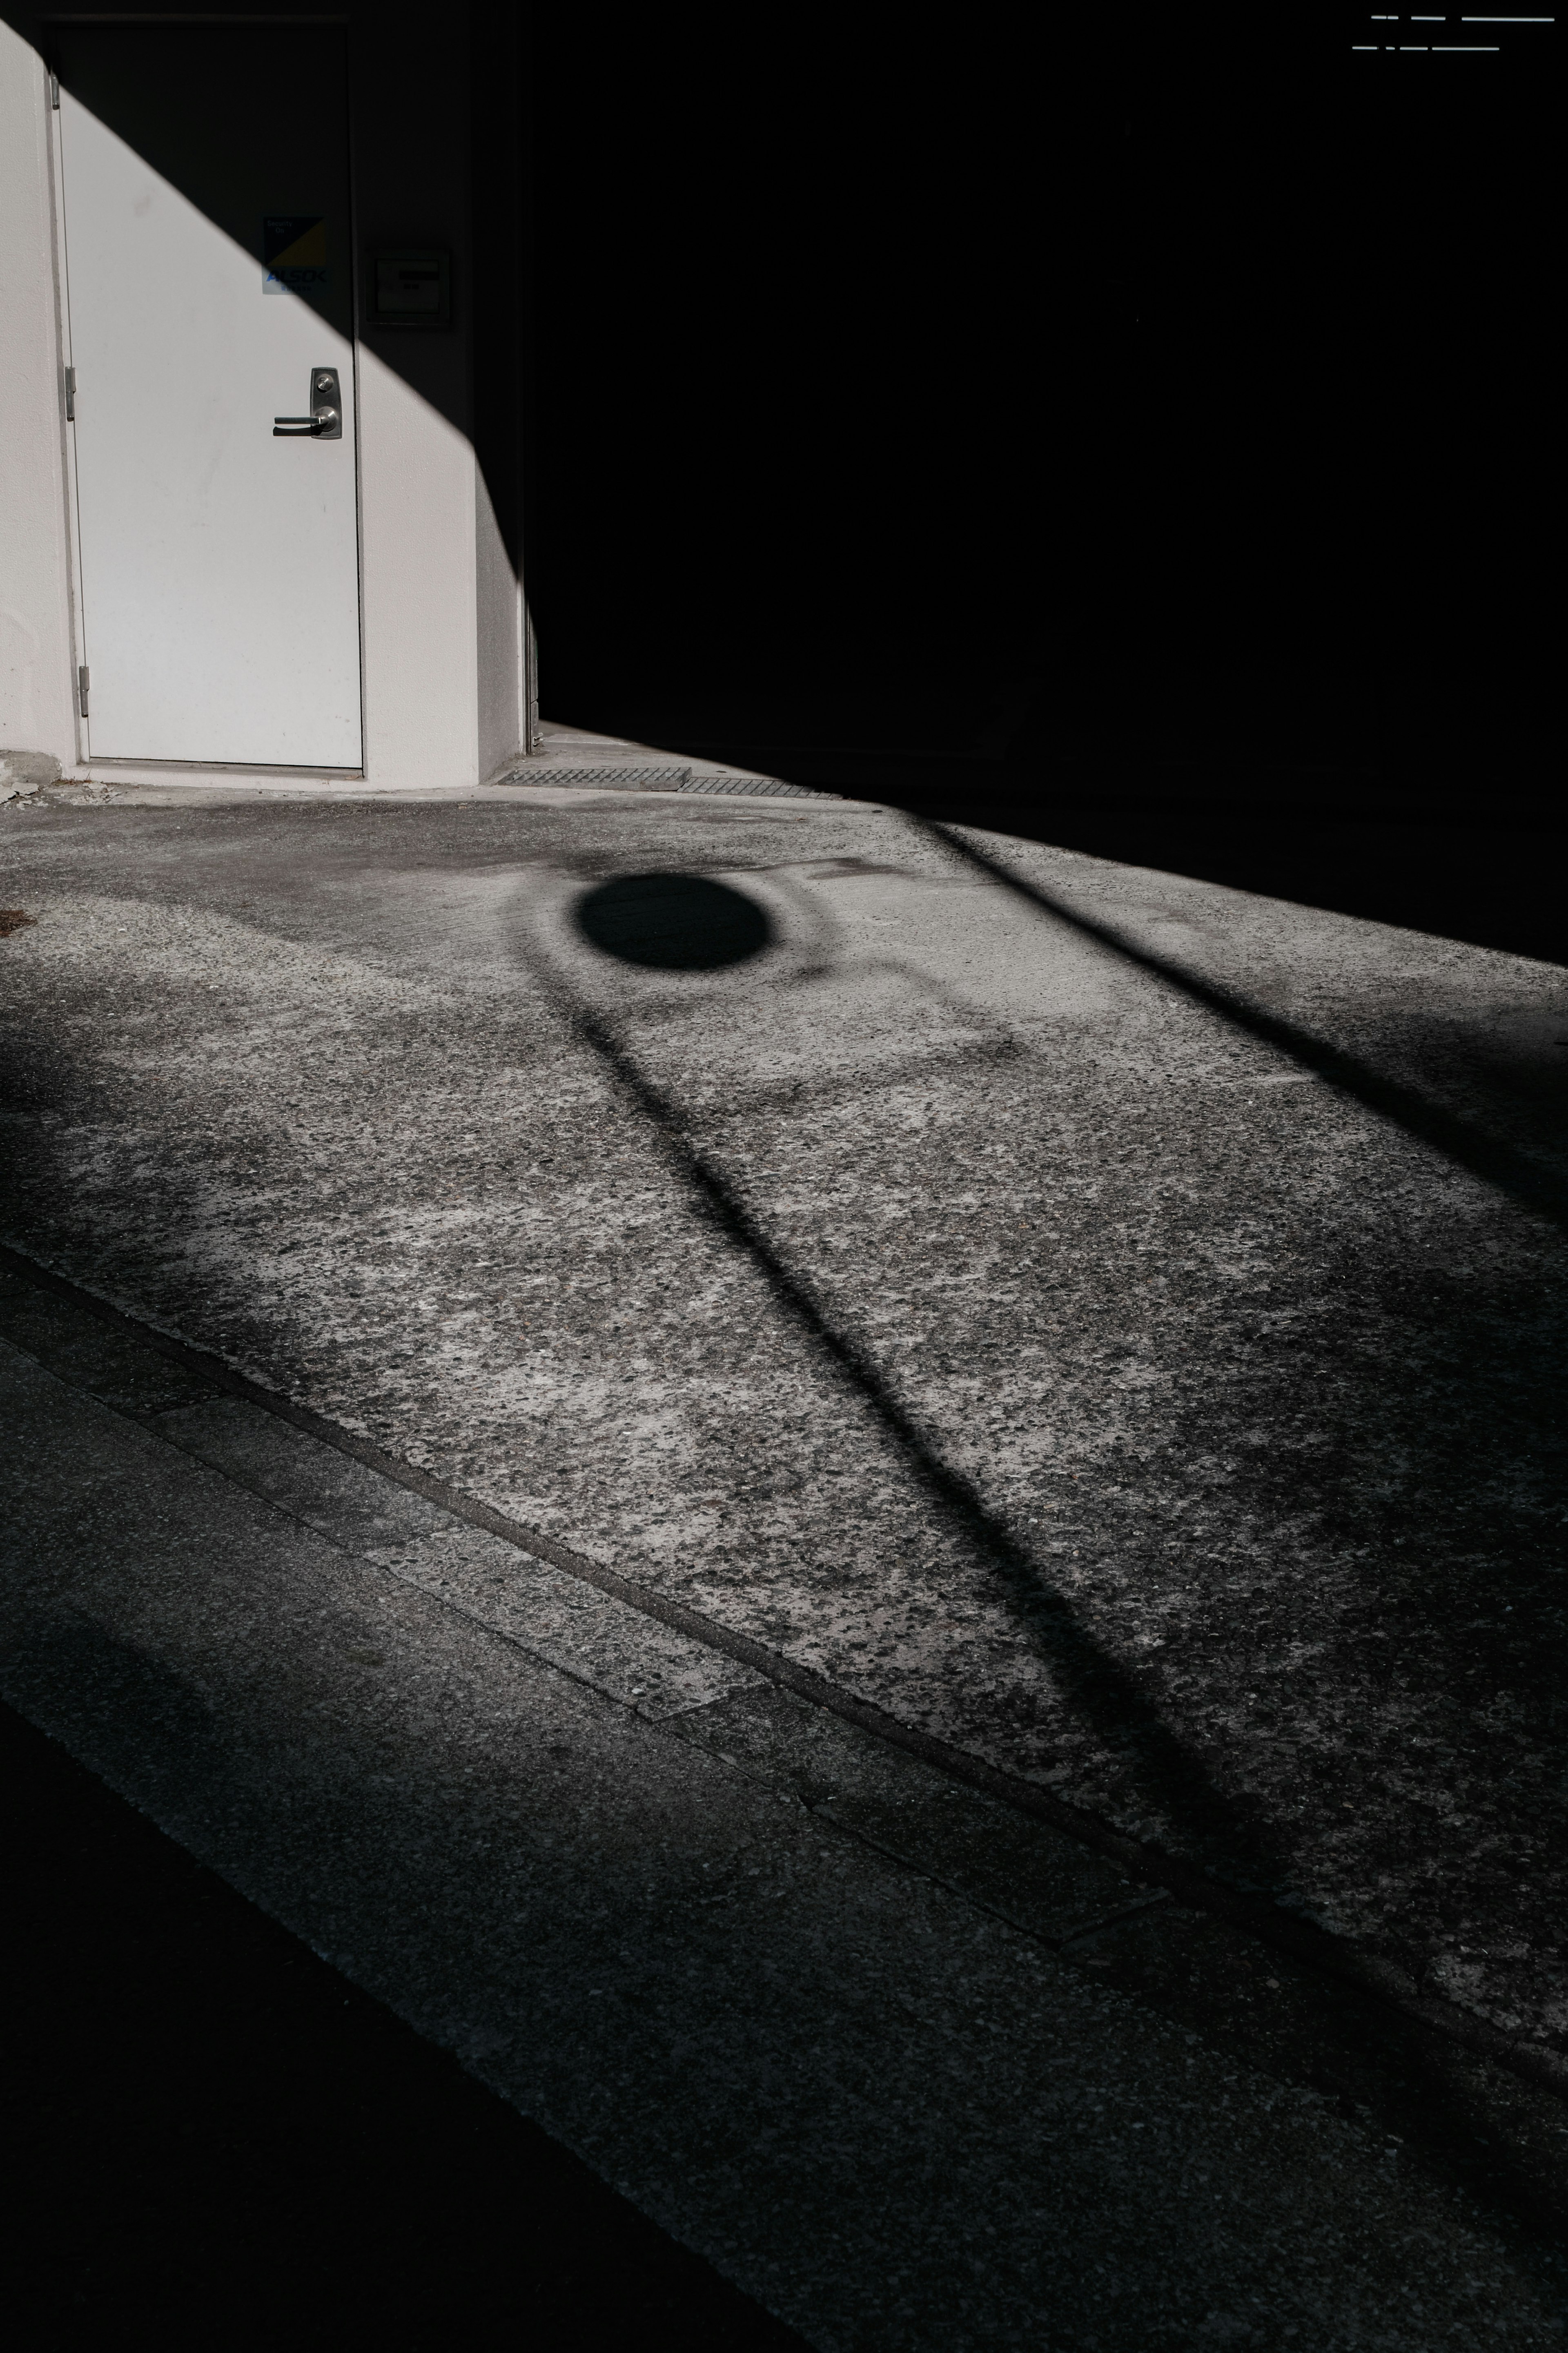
1061,1946
1265,1922
665,1723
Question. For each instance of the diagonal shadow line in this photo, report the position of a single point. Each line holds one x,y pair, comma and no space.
1502,1165
1231,1827
1104,1692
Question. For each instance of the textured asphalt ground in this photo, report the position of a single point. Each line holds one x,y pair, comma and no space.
1101,1325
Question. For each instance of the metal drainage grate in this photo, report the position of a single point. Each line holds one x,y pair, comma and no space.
639,780
753,785
667,780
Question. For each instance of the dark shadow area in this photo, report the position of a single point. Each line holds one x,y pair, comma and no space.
162,88
439,159
1483,870
161,1962
677,923
213,2134
1483,867
1458,859
961,717
1200,379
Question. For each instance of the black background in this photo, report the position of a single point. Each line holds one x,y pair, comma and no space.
1194,369
214,2138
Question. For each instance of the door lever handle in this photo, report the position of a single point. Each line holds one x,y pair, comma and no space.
325,422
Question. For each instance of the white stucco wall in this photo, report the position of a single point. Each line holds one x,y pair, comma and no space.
418,586
498,607
38,661
440,609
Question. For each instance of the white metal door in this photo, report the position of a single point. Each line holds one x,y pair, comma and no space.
208,253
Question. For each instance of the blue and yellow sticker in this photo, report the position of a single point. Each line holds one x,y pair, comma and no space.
294,248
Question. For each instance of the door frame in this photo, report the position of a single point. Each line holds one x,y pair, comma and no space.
186,20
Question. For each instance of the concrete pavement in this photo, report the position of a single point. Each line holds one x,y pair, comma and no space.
863,1301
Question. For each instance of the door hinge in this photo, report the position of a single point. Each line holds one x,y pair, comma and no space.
83,681
70,396
55,91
